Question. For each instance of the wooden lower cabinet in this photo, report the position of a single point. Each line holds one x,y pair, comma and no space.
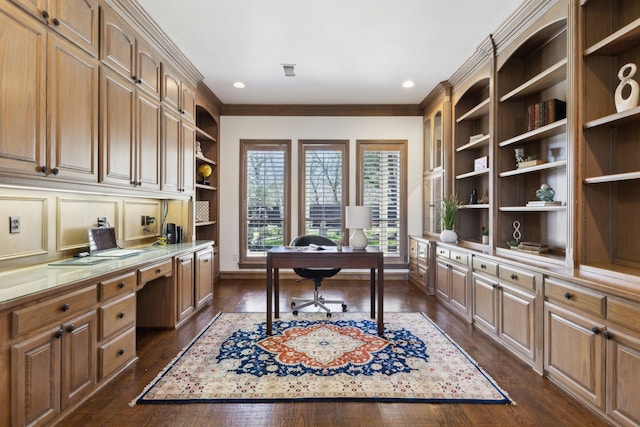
622,384
451,281
53,370
204,275
185,286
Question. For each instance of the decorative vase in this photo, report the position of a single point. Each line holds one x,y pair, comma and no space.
448,236
625,77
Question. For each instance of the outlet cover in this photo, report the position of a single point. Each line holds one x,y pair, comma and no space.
14,224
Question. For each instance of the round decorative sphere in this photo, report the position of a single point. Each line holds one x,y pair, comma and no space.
204,170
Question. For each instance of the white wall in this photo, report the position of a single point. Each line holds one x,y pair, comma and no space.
235,128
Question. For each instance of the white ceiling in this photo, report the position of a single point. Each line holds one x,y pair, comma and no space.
345,51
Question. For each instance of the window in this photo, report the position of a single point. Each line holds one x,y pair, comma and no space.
265,206
381,181
322,186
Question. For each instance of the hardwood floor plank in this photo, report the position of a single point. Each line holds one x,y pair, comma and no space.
538,401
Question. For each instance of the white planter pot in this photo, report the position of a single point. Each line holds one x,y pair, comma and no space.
448,236
485,240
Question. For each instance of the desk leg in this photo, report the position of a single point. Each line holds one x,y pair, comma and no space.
276,292
373,293
380,295
269,294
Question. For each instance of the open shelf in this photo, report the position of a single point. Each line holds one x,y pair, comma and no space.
616,119
477,111
549,77
612,178
206,160
472,174
532,208
552,129
537,168
618,42
477,143
202,135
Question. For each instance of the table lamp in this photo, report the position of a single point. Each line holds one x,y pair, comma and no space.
357,218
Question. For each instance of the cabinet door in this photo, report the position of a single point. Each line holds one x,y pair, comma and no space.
204,275
459,293
77,20
623,364
575,353
188,103
79,358
72,90
516,321
118,44
171,150
35,378
485,303
171,89
184,278
118,102
148,69
147,142
187,164
23,89
442,280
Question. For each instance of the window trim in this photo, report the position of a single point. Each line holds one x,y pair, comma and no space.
363,145
263,144
326,144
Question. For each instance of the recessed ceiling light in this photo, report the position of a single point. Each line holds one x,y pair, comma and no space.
238,85
408,83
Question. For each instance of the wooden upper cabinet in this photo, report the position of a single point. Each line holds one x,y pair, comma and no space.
147,166
23,89
178,141
178,95
72,94
77,20
124,52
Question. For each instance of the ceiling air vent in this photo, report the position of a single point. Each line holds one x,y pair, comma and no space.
289,70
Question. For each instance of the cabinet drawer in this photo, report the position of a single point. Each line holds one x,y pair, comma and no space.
53,310
442,252
117,315
580,299
423,251
118,286
117,352
413,248
624,313
485,266
517,277
459,257
152,272
422,275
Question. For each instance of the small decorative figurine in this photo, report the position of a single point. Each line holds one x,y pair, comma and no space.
625,75
473,200
519,153
545,193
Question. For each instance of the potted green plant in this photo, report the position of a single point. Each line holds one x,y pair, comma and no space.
485,236
448,212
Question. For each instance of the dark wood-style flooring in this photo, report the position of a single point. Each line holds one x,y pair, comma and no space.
538,401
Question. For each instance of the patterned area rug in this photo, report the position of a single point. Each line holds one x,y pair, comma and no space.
312,357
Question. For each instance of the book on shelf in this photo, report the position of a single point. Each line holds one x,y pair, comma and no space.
536,203
545,112
531,247
528,163
473,138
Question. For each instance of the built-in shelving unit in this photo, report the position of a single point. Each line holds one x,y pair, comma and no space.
527,77
206,200
609,161
473,156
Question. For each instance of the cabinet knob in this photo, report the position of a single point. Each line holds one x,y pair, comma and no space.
567,295
121,285
65,307
206,260
59,333
608,335
483,266
514,277
43,169
135,79
45,14
121,315
121,352
71,328
158,270
55,171
595,330
56,22
457,258
494,285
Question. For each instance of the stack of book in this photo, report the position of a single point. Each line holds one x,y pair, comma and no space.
546,112
538,203
474,138
532,247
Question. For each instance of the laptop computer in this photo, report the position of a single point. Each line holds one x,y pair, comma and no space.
102,243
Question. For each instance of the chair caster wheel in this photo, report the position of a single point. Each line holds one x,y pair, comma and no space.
344,308
328,314
295,312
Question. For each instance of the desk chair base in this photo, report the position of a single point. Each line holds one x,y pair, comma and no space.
317,301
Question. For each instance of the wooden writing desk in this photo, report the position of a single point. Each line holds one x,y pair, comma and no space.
283,257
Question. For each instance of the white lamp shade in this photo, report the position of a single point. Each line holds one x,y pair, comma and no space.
357,218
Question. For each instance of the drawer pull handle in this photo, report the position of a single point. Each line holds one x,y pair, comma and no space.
121,285
121,352
483,266
595,330
65,307
158,270
206,260
608,335
121,315
458,257
567,295
71,328
59,333
514,277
